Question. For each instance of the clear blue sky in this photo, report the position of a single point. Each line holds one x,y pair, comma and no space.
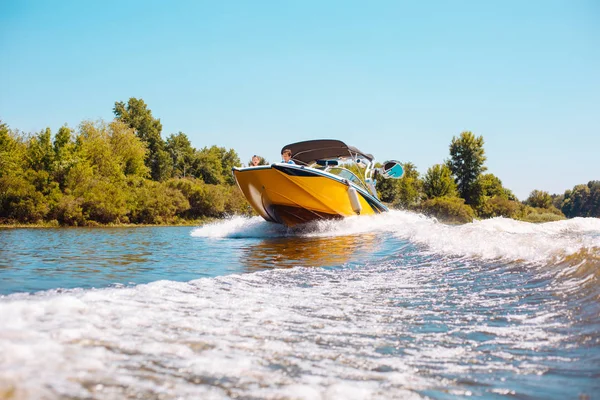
397,79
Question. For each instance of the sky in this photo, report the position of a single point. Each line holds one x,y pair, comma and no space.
398,79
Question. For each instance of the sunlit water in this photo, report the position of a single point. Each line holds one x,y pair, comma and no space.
392,306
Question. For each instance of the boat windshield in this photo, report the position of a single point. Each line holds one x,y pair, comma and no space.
354,170
347,174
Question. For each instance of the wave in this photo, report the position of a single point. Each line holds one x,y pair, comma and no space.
435,304
411,331
496,238
566,253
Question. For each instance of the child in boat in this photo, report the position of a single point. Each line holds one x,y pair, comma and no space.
286,155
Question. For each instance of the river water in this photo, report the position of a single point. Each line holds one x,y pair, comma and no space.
391,306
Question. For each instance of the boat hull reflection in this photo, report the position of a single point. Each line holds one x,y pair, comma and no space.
308,252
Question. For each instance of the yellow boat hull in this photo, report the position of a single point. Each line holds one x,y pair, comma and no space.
292,195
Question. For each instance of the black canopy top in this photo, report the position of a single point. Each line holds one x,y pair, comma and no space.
322,149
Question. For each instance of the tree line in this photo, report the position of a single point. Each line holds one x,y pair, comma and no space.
459,190
123,171
113,173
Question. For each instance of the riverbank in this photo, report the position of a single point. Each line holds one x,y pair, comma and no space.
55,224
445,219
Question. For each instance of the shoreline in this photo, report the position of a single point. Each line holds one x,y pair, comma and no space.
50,225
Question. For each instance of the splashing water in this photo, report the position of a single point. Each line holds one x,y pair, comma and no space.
488,239
398,306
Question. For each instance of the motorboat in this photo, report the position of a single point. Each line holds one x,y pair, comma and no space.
328,180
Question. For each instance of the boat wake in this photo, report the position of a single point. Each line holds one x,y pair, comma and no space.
566,253
426,310
497,238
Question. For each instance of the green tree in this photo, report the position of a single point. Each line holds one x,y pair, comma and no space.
208,166
539,199
487,187
510,195
594,199
5,136
466,163
39,169
98,173
575,201
137,115
387,189
94,148
112,150
181,151
128,150
106,159
157,203
213,164
499,206
104,202
63,140
12,151
64,149
40,152
68,211
582,201
490,186
557,200
409,188
405,192
21,186
438,182
205,200
229,159
20,201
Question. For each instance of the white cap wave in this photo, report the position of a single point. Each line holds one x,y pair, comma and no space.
496,238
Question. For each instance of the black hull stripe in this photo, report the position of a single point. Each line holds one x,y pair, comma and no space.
296,171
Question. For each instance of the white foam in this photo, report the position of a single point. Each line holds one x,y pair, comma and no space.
394,328
496,238
299,333
240,227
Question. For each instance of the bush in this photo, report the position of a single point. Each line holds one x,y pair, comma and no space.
539,199
438,182
104,202
156,203
208,200
542,217
236,203
68,211
19,200
192,190
499,207
448,209
534,214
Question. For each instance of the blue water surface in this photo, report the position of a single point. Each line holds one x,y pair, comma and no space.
412,310
40,259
